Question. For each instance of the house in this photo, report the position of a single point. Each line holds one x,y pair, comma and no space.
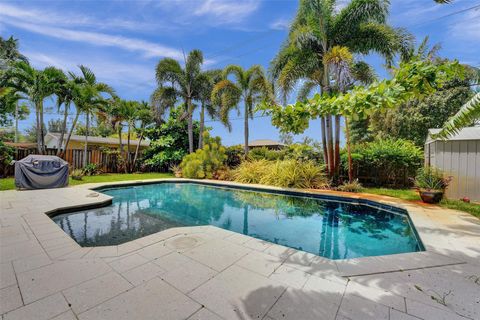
266,143
459,157
94,143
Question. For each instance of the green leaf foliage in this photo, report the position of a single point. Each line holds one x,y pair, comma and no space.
205,162
385,162
282,173
168,143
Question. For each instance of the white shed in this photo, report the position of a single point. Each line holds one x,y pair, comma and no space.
459,157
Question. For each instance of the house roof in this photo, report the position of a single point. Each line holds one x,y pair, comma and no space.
469,133
96,140
264,143
21,145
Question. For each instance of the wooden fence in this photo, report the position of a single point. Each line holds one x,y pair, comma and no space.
107,162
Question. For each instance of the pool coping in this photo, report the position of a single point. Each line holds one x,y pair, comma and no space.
92,197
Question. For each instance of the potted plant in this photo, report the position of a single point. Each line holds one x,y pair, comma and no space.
431,184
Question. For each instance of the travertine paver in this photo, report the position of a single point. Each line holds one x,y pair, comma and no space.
237,293
95,291
233,276
153,300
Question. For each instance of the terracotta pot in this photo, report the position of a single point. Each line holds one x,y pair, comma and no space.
432,196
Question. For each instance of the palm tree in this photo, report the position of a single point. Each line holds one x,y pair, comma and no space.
9,52
250,86
128,111
317,28
145,116
175,82
65,95
212,77
89,98
36,86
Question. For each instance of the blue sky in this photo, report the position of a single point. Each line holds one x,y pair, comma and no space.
121,41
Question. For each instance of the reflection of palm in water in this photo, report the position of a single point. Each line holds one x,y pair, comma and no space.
140,211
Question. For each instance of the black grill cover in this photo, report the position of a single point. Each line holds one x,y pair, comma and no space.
41,172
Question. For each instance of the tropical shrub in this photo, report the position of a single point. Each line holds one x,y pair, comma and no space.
6,157
266,154
205,162
235,155
91,169
168,143
430,178
282,173
385,162
76,174
353,186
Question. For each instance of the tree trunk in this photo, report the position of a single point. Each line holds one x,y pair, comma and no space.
38,128
137,149
350,165
245,128
190,125
64,129
70,133
85,156
128,149
337,147
42,129
202,126
324,141
329,128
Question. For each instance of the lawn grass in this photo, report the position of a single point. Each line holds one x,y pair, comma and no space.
412,195
9,183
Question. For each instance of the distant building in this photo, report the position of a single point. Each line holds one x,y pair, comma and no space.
266,143
459,157
78,142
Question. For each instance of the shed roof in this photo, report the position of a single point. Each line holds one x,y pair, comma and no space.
469,133
264,143
98,140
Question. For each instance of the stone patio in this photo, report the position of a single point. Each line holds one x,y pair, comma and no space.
210,273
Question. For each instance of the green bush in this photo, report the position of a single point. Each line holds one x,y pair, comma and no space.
6,157
353,186
430,178
235,155
91,169
205,162
385,162
265,154
282,173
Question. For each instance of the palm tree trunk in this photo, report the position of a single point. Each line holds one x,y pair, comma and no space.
202,126
128,149
245,128
62,134
70,133
42,129
337,146
137,149
38,128
190,125
331,166
85,157
350,165
324,141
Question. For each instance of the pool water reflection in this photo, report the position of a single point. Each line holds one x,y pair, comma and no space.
331,229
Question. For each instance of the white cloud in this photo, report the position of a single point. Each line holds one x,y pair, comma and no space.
72,20
227,11
149,49
280,24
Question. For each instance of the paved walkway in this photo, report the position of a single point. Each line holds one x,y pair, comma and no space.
211,273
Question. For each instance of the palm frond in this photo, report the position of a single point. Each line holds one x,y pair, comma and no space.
468,114
168,70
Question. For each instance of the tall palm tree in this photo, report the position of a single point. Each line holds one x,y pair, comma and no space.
65,95
128,111
9,52
175,82
89,98
36,86
317,28
145,117
212,77
250,86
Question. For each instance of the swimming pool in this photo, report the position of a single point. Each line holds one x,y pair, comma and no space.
336,228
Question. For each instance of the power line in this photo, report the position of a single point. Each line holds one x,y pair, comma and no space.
475,7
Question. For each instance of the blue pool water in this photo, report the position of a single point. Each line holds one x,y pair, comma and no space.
336,229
